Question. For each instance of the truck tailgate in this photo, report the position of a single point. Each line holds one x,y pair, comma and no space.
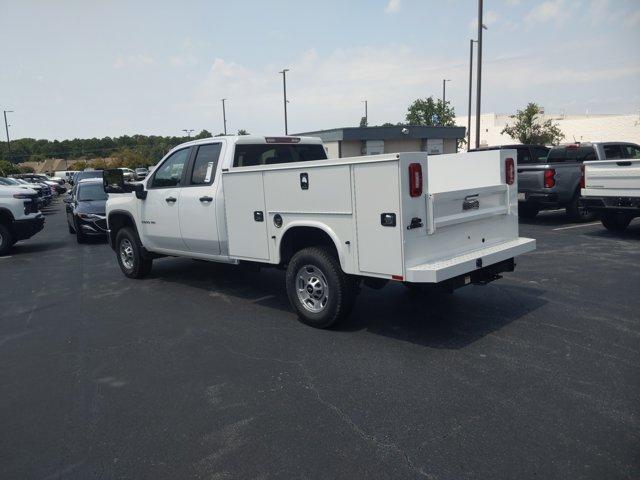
620,178
531,178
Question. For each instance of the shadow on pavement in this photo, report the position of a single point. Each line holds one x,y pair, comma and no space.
27,246
436,320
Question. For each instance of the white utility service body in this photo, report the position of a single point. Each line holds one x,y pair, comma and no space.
403,216
346,198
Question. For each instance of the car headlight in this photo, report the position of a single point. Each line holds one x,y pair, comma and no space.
90,216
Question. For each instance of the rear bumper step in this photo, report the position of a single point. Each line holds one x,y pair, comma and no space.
469,262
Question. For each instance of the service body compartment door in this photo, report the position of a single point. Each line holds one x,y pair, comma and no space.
246,215
377,194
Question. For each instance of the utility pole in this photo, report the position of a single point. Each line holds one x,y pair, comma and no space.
479,79
188,131
6,127
366,112
224,116
471,42
444,91
284,86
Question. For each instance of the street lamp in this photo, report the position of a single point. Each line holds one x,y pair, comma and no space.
224,116
444,91
471,42
6,127
479,79
284,86
188,131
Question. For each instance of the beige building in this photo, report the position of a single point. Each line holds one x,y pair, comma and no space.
356,141
579,128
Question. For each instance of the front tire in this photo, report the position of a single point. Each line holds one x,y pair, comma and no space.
319,291
615,222
6,240
131,257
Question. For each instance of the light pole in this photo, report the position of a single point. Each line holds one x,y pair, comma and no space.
188,131
284,86
479,79
444,91
224,116
366,113
471,42
6,127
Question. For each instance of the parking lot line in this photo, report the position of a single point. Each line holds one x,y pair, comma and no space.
578,226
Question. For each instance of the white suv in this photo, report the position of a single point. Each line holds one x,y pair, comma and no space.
19,216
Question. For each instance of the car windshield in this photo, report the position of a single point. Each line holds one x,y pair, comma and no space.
571,154
91,192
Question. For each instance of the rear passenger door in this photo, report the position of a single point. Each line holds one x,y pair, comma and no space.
612,151
198,201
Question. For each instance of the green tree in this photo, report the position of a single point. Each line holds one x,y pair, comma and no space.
242,131
363,122
529,127
203,134
7,168
430,112
387,124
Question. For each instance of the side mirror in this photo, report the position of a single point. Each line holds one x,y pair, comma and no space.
67,199
113,182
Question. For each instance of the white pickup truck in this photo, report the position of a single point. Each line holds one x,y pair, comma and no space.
331,223
612,188
19,215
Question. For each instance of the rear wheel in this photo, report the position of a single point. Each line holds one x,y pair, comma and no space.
528,211
578,212
320,292
6,239
616,222
131,257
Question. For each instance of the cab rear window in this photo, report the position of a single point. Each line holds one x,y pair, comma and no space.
571,154
270,154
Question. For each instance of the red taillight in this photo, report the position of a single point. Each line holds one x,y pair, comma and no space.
415,179
549,178
509,171
583,182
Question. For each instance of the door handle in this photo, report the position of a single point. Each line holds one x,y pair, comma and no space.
171,200
206,199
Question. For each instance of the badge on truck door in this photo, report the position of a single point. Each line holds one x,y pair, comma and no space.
471,203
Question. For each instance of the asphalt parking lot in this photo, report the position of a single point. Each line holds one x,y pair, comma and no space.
202,371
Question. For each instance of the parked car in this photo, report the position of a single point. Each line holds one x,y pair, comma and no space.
56,187
612,188
86,174
141,173
19,215
555,182
85,208
45,192
65,174
331,224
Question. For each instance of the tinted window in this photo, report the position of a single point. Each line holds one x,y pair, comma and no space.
269,154
524,156
89,174
91,191
204,167
571,154
169,174
540,154
611,152
631,151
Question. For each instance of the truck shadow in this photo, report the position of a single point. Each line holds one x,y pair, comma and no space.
442,320
631,233
552,218
435,320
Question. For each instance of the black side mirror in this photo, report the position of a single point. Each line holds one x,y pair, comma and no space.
113,182
138,188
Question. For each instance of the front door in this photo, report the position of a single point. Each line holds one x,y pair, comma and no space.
198,218
160,210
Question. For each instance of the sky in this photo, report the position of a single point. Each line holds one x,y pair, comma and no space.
77,69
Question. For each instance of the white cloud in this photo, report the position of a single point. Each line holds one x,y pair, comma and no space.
556,11
137,60
393,6
633,20
186,60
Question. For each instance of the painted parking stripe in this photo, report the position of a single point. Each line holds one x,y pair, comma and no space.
579,226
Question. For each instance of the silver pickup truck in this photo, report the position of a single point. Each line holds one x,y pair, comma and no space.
555,183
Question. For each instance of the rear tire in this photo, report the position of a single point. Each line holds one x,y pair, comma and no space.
319,291
615,222
130,254
528,211
577,212
6,239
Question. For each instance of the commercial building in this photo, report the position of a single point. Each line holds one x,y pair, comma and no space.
579,128
356,141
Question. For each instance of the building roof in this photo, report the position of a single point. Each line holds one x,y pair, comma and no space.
395,132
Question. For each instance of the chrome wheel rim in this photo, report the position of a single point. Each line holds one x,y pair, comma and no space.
312,288
126,254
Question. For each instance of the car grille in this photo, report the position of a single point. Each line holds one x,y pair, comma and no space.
101,223
31,205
